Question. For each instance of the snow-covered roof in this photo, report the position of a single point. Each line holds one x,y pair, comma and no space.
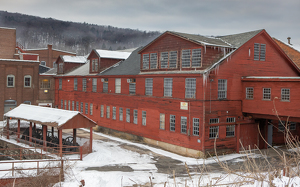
43,115
112,54
81,70
74,59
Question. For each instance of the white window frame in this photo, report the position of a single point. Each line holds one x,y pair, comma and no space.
62,104
285,94
26,82
59,84
107,112
75,84
105,87
266,93
164,59
102,111
196,126
173,56
8,82
132,88
213,132
183,125
230,120
168,87
69,105
77,106
146,61
230,130
65,104
214,120
222,89
128,115
149,86
45,84
144,118
91,109
84,84
190,88
135,116
196,58
81,107
86,108
117,85
172,122
121,114
114,111
186,58
153,60
293,126
94,82
249,93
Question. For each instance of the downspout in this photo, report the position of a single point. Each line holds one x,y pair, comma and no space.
203,124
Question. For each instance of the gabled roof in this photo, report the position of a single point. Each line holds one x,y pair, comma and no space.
74,59
292,52
44,115
112,54
131,66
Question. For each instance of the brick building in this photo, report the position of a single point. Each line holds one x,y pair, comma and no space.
19,73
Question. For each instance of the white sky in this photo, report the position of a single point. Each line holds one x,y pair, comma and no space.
205,17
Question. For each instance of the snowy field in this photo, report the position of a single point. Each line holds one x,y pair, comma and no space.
112,165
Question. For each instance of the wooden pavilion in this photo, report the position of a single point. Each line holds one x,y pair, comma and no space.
55,118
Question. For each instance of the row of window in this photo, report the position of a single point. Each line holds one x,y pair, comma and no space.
190,58
216,120
190,86
282,126
285,93
11,81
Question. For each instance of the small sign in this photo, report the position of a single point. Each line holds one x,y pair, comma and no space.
184,106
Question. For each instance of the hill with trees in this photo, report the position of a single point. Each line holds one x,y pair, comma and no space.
36,32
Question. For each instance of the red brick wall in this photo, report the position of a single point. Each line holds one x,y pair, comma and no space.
7,43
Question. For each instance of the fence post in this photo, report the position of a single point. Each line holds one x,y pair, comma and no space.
38,167
13,168
80,152
20,153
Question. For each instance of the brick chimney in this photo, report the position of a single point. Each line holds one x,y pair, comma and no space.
289,40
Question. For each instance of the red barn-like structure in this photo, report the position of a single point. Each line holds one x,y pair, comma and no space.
181,91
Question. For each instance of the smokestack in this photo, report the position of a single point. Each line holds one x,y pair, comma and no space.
289,40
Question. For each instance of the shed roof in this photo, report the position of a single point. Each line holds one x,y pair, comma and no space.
54,117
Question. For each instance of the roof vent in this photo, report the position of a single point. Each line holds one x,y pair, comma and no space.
289,40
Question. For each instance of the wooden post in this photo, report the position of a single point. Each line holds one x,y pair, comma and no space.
30,132
44,136
18,132
7,128
266,134
74,137
91,139
80,152
238,134
60,142
52,132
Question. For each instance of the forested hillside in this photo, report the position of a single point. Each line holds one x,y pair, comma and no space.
36,32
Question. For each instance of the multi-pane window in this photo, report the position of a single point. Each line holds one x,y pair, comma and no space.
292,126
94,65
102,111
121,114
186,58
86,108
153,60
114,110
249,93
190,88
117,85
213,131
260,52
213,120
94,85
61,104
75,84
168,85
230,129
162,121
77,106
285,94
60,68
27,81
149,86
10,81
196,122
91,108
107,111
84,84
230,120
222,89
146,61
128,115
65,104
131,88
73,105
196,58
135,116
59,84
173,59
69,105
144,117
172,122
183,124
105,86
267,94
45,84
164,58
281,126
81,107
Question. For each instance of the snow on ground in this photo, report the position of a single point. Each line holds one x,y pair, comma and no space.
127,168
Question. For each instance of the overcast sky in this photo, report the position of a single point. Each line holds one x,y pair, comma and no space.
280,18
